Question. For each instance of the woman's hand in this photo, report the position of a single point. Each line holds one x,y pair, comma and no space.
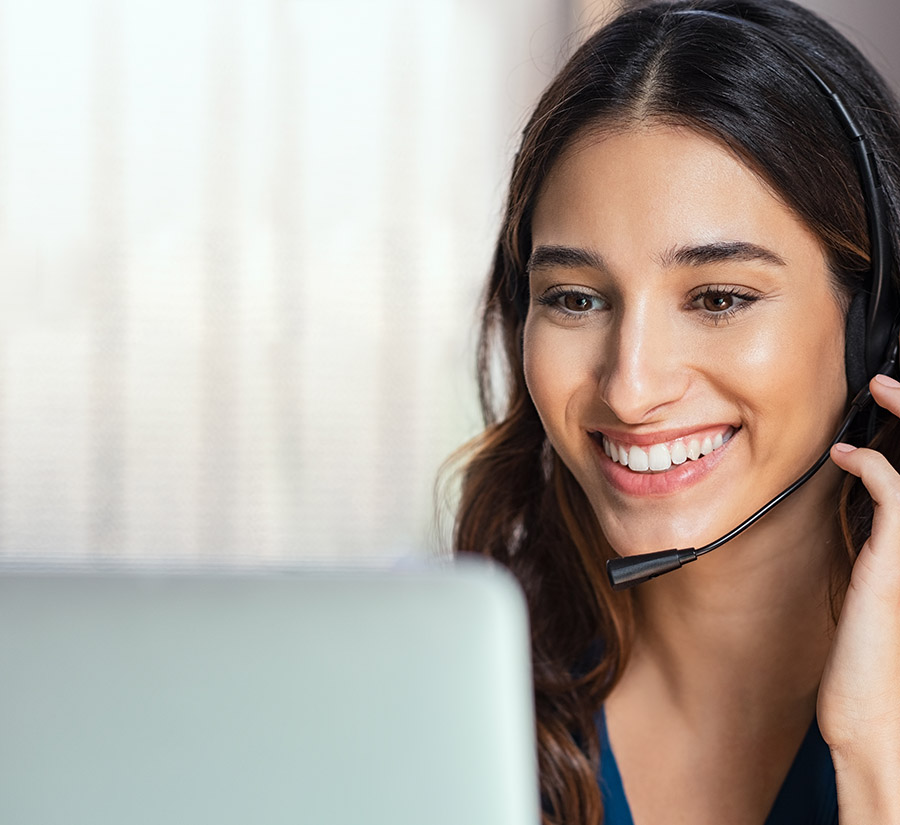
859,697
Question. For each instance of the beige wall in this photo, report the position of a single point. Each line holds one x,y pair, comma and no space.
873,25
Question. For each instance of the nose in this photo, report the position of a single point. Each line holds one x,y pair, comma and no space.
644,368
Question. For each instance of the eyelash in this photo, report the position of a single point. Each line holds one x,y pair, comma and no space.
746,299
553,299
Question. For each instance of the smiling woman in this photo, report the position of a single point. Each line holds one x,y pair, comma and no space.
731,336
693,258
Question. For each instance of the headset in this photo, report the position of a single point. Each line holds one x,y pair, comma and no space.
873,318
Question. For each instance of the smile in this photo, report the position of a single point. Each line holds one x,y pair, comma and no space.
659,458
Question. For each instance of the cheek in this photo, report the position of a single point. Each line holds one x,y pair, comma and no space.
795,379
561,368
550,376
542,377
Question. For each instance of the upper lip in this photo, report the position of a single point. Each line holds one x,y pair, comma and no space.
662,436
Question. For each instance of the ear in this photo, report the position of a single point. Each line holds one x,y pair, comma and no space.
855,345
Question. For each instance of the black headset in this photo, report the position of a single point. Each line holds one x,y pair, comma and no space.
872,327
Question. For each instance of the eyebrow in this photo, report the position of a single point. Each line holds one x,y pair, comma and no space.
720,252
572,257
563,257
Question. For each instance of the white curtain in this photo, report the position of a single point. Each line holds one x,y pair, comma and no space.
241,247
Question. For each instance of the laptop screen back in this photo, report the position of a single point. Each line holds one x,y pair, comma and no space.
329,698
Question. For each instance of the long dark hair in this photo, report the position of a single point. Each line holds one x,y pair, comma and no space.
519,503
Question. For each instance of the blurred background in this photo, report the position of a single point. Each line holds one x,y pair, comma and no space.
241,252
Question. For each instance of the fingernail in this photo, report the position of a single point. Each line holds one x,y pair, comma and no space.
887,381
843,448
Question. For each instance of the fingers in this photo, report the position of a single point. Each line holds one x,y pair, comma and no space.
870,466
878,563
882,483
874,470
886,392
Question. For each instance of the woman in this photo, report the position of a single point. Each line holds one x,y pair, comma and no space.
685,235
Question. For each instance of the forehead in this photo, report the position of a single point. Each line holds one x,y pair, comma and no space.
653,186
668,143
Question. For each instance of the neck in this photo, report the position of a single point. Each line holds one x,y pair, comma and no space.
749,623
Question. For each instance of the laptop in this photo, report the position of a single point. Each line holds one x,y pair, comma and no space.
377,697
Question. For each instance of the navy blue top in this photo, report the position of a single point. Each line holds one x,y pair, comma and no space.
807,797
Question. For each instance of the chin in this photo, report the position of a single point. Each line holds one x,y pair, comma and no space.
664,534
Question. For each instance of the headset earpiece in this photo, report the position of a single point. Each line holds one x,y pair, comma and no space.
855,345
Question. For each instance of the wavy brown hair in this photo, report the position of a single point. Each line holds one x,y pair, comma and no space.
519,503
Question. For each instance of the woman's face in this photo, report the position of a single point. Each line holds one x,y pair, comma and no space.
682,321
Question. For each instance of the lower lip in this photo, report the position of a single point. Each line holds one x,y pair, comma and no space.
677,478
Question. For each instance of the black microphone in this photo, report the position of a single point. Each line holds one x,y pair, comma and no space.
631,570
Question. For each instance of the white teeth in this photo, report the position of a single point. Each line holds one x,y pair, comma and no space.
679,453
638,460
660,457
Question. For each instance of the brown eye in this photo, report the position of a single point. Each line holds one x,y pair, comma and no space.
717,302
577,302
571,303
